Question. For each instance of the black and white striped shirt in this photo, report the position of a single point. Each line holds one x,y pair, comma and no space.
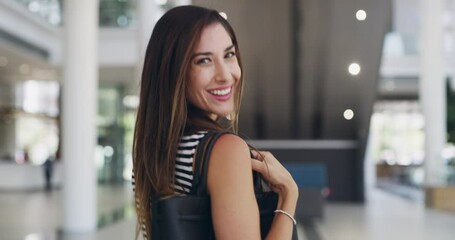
184,162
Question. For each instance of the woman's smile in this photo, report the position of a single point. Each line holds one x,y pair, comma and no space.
222,93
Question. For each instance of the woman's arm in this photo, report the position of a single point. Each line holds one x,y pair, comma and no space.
235,212
281,182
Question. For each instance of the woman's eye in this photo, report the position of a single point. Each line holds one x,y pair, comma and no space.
203,61
230,55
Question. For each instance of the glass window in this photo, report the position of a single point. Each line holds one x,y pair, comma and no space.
29,122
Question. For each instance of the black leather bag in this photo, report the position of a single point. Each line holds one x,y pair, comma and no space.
189,217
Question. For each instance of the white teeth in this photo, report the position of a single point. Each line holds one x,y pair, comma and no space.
221,92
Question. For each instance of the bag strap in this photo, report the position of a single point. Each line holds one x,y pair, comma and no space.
201,159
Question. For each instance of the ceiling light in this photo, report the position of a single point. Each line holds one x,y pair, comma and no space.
122,21
223,14
354,69
361,15
108,151
348,114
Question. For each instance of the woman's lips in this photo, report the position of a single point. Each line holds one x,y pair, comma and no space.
221,94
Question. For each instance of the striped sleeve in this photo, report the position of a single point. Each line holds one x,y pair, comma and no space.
184,162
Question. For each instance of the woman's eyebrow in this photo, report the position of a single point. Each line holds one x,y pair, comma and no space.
210,53
229,48
201,53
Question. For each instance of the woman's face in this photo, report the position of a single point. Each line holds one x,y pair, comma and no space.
214,72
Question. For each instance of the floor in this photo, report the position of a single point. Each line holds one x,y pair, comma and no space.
37,216
385,216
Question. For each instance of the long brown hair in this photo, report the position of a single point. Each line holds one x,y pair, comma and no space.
164,114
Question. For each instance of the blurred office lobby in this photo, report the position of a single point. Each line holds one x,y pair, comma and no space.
355,97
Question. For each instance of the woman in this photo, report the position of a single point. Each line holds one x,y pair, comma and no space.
191,82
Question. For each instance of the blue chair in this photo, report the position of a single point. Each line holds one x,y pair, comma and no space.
312,182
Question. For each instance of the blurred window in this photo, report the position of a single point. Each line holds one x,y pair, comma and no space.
50,10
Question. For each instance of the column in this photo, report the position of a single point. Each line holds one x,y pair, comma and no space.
148,14
432,90
79,113
8,122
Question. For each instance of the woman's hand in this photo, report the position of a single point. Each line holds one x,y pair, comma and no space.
278,177
281,182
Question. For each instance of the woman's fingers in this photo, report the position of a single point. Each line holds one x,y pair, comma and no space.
254,154
258,166
258,155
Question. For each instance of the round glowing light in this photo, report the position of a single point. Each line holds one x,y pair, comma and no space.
223,14
354,69
361,15
348,114
122,21
108,151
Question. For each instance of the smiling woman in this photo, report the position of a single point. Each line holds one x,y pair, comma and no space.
214,72
191,84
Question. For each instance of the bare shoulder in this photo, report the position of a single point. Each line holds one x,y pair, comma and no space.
230,158
231,144
230,170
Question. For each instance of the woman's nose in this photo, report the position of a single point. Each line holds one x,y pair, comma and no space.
222,73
